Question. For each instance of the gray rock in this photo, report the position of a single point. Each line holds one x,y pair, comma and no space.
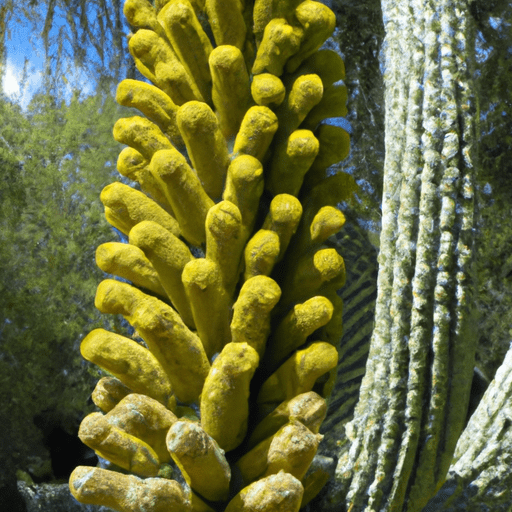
53,498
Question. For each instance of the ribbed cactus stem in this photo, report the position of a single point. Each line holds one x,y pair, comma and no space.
414,395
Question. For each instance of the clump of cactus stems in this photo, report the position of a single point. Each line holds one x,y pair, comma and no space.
233,290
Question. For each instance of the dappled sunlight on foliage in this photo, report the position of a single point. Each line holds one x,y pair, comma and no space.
55,160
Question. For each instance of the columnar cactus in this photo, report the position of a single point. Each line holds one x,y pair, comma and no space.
232,288
414,396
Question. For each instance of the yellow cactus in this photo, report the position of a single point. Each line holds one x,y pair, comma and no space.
140,13
290,449
334,147
205,144
126,493
313,273
210,303
135,366
157,61
291,162
233,280
318,22
225,241
141,134
153,103
283,217
293,330
251,312
144,418
256,132
280,41
124,450
230,87
178,350
135,167
184,191
225,397
243,188
125,207
189,41
129,262
108,392
261,253
308,408
299,373
305,93
201,460
227,22
267,90
326,222
265,10
275,493
168,255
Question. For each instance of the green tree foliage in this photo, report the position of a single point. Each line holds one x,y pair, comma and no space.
494,21
55,159
12,194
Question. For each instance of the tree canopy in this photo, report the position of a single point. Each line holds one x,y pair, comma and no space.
55,159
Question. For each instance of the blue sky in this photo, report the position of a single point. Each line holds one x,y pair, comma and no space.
20,46
25,54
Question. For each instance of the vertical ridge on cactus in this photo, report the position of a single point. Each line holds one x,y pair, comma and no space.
415,391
